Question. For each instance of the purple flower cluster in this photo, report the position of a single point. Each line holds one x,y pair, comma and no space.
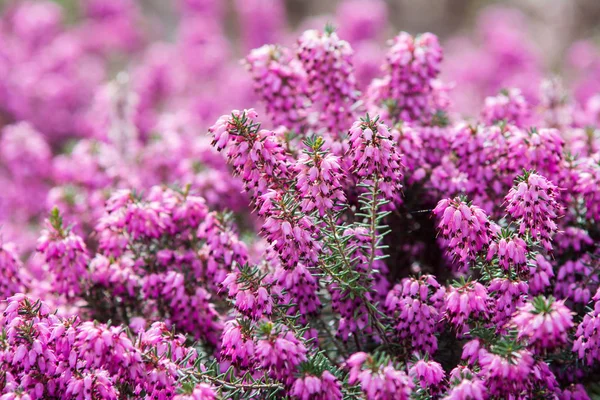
367,223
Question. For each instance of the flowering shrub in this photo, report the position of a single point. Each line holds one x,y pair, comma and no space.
295,225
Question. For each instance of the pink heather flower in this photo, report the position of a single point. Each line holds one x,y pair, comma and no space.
10,270
255,154
251,300
575,392
540,273
327,61
292,236
280,354
588,185
222,249
429,374
96,384
413,62
374,155
587,336
464,228
544,323
311,387
506,295
415,305
378,382
462,303
202,391
25,152
409,89
533,204
281,83
576,281
510,251
300,288
237,346
509,106
66,256
468,389
319,181
506,376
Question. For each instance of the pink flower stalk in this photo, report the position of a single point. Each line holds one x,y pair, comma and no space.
429,374
413,62
409,89
301,288
507,295
11,271
587,336
509,106
327,61
222,249
292,236
465,229
251,300
467,302
319,180
575,392
415,305
66,256
510,251
374,155
96,384
311,387
505,376
533,204
237,346
465,386
544,323
576,281
588,184
378,382
280,354
256,155
540,273
281,83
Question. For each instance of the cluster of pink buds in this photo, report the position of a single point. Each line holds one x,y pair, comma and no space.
281,83
311,387
374,155
327,61
256,154
429,374
509,106
587,342
465,302
533,203
544,323
319,179
465,229
65,254
415,305
409,89
511,252
378,380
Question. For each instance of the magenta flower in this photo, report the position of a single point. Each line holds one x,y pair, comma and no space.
544,323
378,382
327,61
465,229
374,155
533,204
311,387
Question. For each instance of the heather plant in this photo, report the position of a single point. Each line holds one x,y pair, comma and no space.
294,225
